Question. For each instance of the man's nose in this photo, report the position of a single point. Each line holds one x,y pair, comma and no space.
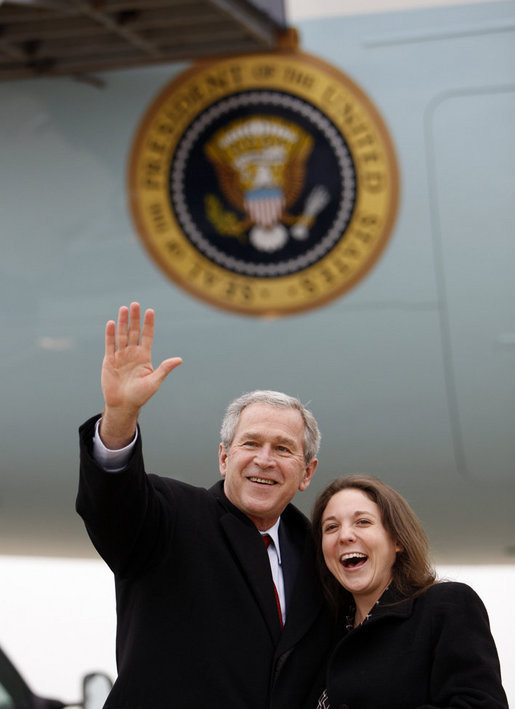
265,456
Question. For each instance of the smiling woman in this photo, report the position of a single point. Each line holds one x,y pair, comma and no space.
358,551
405,640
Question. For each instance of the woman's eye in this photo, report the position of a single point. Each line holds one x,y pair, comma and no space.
364,522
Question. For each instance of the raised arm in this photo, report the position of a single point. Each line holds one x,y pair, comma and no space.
128,378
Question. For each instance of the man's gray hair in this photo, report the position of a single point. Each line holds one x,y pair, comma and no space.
271,398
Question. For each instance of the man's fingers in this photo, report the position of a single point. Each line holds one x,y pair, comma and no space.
166,367
134,324
147,335
110,338
127,330
122,327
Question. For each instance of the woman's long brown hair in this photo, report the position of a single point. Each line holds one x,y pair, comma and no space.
412,570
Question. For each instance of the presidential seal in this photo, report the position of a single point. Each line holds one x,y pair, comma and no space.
264,184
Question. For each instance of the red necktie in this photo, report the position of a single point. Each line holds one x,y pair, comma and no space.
267,539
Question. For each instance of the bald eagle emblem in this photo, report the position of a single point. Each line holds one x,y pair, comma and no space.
264,184
260,164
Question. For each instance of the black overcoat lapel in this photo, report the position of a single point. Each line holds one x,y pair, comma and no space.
252,558
250,552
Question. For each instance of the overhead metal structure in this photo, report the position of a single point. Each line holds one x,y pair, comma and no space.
76,37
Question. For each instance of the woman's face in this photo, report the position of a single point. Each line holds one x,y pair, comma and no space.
357,548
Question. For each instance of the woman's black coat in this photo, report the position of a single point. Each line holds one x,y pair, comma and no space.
432,651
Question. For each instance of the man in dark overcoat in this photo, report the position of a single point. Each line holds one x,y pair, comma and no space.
218,603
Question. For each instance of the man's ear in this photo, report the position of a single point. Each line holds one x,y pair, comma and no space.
309,471
222,460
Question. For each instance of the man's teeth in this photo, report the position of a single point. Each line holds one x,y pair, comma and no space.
263,481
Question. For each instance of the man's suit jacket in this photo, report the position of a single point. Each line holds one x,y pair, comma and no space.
433,651
197,618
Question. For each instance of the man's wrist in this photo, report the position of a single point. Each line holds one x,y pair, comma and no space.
117,428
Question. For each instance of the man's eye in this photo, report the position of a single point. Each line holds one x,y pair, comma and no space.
283,449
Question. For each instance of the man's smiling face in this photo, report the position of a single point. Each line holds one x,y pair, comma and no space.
264,466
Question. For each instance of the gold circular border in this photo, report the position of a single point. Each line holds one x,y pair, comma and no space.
339,99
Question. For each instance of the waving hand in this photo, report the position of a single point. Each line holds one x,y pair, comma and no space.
128,378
